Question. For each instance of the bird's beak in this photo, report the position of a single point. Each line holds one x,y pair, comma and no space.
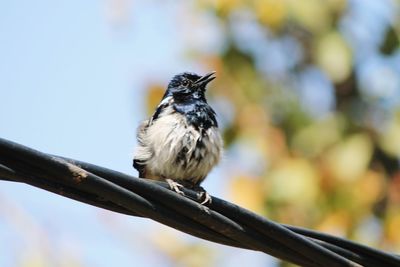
203,81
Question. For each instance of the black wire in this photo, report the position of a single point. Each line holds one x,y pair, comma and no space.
221,222
71,175
359,258
277,236
201,213
389,259
102,189
12,176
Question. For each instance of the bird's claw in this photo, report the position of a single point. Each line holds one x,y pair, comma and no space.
203,195
175,186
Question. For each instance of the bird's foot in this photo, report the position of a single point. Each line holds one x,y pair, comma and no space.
202,194
175,186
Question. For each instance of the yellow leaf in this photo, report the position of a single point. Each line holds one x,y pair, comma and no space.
315,138
393,228
154,95
295,181
248,192
181,252
223,7
369,189
311,14
336,223
271,12
334,57
390,139
348,160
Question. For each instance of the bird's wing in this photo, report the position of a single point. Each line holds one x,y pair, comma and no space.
140,158
163,104
144,152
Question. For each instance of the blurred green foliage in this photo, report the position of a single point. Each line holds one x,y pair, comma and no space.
308,95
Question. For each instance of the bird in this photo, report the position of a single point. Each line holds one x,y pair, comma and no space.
180,143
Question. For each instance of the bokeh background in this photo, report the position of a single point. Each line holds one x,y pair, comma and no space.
308,98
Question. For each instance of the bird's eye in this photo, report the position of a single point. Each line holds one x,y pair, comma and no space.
185,82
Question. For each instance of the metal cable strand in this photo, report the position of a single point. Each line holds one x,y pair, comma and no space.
101,191
273,233
341,246
221,222
385,259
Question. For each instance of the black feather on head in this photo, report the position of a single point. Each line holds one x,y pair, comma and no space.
181,78
188,85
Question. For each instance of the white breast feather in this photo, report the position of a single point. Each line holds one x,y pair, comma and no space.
166,137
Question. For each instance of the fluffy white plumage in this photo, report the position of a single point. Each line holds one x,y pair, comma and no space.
171,148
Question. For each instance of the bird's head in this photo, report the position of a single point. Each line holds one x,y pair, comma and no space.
189,85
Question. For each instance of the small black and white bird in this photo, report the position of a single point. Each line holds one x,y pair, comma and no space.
180,143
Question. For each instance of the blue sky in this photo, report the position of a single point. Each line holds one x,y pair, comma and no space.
72,84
